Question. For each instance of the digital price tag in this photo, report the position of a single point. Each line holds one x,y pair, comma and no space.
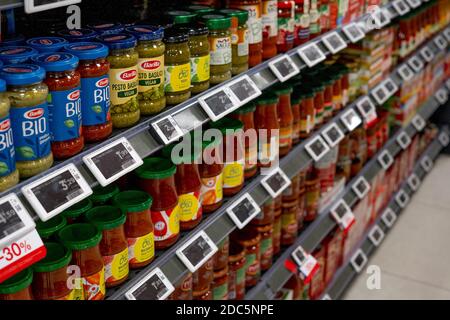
390,86
367,109
351,120
15,221
380,94
333,135
440,42
317,148
376,235
447,34
195,252
311,54
385,159
154,286
334,42
361,187
414,3
306,263
219,103
32,6
283,67
427,54
402,198
443,139
415,63
426,163
403,140
358,261
243,210
353,32
389,217
413,182
405,72
167,129
401,7
418,122
441,96
276,182
384,16
245,89
343,215
54,193
113,161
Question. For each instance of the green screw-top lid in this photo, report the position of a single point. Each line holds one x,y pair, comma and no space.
241,15
47,228
267,98
78,209
181,16
17,282
181,158
80,236
106,217
228,125
199,9
282,89
101,194
249,107
305,92
57,257
156,168
296,98
133,201
216,21
329,79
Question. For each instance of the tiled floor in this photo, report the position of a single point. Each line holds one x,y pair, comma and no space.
414,259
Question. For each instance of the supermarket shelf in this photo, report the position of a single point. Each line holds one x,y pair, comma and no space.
278,275
347,273
10,4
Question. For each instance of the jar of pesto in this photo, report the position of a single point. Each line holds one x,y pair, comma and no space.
177,66
239,39
220,46
123,78
200,59
151,49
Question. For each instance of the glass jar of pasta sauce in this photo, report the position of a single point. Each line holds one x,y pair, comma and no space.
220,260
18,287
267,214
312,187
203,277
270,28
236,273
289,226
285,117
266,245
286,24
183,291
301,29
276,233
219,286
307,113
95,90
296,100
250,239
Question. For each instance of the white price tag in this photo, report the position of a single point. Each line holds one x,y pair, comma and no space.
306,263
384,16
413,182
426,164
361,187
333,135
353,32
385,159
219,103
403,140
196,251
405,72
32,6
276,182
443,139
334,42
112,161
351,119
243,210
367,109
415,63
358,260
283,67
402,198
389,217
317,148
380,94
343,215
401,7
244,89
447,34
376,235
440,42
418,122
311,54
427,54
54,193
15,221
390,86
414,3
441,96
154,286
167,129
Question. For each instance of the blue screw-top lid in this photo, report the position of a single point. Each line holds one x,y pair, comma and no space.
107,28
2,84
87,50
17,54
56,61
47,44
146,33
118,41
13,40
22,74
78,35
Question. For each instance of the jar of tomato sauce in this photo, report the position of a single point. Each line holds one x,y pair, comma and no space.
266,245
328,105
319,104
64,102
250,239
84,239
76,212
285,117
205,294
220,260
50,228
157,177
301,29
113,246
203,277
286,24
307,114
219,285
246,115
236,272
188,183
289,225
234,154
296,100
317,284
138,226
276,233
290,194
183,291
211,173
267,214
51,274
95,94
312,187
103,195
270,28
18,287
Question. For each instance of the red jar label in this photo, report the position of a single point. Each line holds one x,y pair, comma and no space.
167,223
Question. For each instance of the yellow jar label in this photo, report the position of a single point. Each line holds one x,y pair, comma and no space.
177,78
116,266
151,76
189,206
94,286
123,84
141,249
212,190
233,174
200,69
220,51
70,296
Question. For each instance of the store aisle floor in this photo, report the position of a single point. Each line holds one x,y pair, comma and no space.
414,258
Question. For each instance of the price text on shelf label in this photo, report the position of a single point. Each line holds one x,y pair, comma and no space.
219,103
195,252
343,215
244,89
283,68
311,54
154,286
351,119
334,42
333,135
441,96
443,139
413,182
402,198
353,32
306,263
405,72
361,187
389,217
415,63
358,260
403,140
385,159
414,3
390,86
276,182
401,7
418,122
167,129
440,42
427,54
367,109
317,148
243,210
426,164
376,235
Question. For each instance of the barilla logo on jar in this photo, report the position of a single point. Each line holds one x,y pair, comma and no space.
102,83
74,95
150,65
34,114
45,41
17,70
115,38
87,47
127,75
5,125
14,51
53,58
